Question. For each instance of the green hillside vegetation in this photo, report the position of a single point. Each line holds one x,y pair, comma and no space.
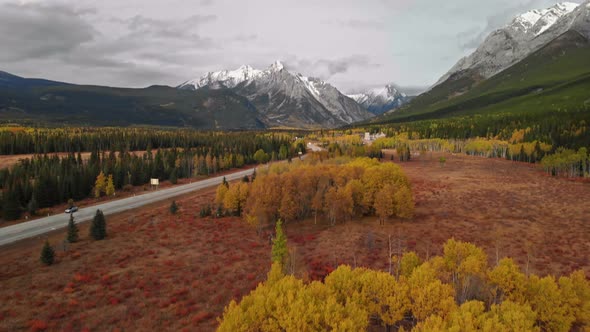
155,105
556,77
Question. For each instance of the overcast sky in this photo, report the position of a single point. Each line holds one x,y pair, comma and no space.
352,44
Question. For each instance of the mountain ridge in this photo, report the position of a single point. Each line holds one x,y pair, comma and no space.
285,99
381,100
554,78
38,101
505,46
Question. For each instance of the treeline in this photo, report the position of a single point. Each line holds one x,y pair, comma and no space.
457,291
558,162
44,181
559,128
18,140
338,190
567,163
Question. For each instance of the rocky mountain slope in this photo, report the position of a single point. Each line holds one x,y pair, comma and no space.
381,100
525,34
553,80
285,99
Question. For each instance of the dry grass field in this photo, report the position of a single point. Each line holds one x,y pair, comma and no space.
509,209
155,271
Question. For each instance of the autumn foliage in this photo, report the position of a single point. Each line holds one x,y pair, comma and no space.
337,190
436,295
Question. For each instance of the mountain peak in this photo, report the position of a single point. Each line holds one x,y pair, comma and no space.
508,45
283,98
536,21
276,66
381,99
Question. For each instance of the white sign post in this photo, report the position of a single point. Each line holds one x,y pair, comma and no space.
155,183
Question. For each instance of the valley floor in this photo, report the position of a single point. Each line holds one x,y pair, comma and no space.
157,271
512,209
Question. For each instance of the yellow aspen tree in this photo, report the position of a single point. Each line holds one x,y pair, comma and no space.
575,290
110,187
515,317
428,295
465,262
220,194
290,206
507,281
99,184
331,204
409,262
355,188
317,204
404,202
547,301
384,203
235,197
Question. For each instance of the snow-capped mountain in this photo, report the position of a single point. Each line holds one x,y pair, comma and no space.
285,99
381,100
525,34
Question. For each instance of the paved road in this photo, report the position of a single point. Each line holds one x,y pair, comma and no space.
314,147
40,226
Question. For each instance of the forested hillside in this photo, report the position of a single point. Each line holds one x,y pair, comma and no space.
546,92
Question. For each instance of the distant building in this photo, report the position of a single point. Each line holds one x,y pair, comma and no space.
371,137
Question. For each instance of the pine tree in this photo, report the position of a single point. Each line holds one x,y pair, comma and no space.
225,182
110,187
173,207
10,206
279,245
72,230
174,176
32,206
98,228
47,254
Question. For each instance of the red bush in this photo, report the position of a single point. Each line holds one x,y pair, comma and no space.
38,325
82,277
200,317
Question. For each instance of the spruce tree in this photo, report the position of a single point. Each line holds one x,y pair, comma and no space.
225,182
98,228
10,206
174,176
279,245
72,230
173,207
47,254
32,206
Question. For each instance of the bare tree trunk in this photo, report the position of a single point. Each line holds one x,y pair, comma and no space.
390,254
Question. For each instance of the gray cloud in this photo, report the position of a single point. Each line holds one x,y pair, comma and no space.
245,37
359,24
327,68
168,28
142,42
472,38
37,31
